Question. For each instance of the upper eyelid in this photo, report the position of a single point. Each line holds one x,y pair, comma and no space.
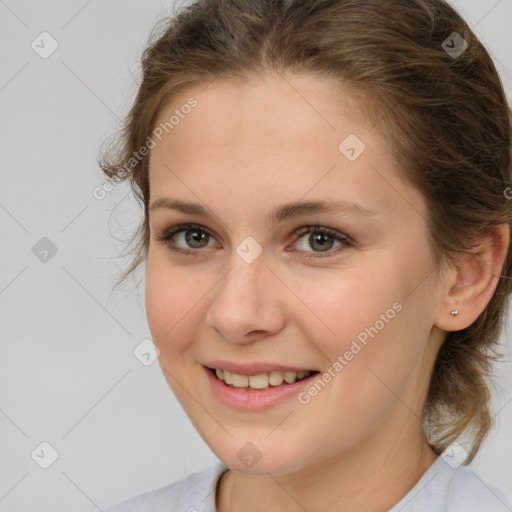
300,231
187,226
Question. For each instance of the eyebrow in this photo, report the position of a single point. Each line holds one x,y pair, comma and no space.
278,214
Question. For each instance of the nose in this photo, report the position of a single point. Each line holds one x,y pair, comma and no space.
248,303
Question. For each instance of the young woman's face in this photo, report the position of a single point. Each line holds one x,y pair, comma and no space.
257,294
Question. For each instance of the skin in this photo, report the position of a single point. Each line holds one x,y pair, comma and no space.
243,150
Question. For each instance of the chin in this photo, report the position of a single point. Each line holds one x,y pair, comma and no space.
261,457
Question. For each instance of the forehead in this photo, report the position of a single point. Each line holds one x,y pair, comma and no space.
272,139
268,104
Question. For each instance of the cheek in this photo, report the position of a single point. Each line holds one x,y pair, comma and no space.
171,304
342,306
364,326
379,336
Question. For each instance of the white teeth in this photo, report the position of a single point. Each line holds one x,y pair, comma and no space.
261,381
276,378
239,381
290,377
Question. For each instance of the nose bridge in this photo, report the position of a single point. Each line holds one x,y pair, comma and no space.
247,266
244,300
242,287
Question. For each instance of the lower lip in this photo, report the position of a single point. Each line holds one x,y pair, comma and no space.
255,400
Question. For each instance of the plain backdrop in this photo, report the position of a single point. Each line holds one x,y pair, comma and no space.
68,373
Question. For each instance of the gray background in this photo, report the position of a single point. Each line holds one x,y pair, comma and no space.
68,374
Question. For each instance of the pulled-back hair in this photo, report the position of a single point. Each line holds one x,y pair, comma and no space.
444,119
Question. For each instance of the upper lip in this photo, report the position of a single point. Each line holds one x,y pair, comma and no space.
254,368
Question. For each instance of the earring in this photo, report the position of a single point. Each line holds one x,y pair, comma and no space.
455,312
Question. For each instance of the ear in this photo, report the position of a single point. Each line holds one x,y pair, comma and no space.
471,285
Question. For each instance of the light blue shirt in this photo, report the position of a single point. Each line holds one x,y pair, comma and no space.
442,488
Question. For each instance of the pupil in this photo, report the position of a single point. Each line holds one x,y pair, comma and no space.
196,237
318,239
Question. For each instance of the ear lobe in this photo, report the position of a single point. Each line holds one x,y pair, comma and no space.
471,285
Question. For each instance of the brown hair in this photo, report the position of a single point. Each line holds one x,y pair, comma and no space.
445,119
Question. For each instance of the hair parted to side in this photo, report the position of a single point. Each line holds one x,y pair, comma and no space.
445,121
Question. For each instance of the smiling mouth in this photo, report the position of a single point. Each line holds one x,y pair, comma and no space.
260,382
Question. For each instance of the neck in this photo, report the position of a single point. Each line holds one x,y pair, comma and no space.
365,479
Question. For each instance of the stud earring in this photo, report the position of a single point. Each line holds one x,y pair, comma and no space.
455,312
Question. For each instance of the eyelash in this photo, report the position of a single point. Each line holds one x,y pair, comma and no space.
166,238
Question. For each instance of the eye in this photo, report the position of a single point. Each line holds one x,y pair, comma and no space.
195,237
322,238
193,234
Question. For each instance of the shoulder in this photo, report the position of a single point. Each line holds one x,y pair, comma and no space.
468,489
445,488
195,492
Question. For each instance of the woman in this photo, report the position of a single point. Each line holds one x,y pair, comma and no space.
327,249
